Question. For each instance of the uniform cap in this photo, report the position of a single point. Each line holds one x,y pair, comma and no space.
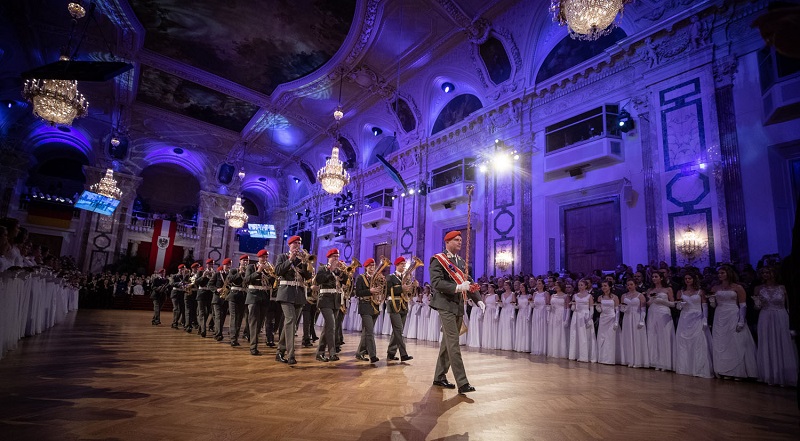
181,266
399,260
195,265
262,253
369,262
451,235
293,239
244,257
226,261
209,261
332,251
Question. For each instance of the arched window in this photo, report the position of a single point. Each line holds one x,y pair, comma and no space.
405,115
456,110
569,52
495,58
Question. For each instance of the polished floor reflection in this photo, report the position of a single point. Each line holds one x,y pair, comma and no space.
111,375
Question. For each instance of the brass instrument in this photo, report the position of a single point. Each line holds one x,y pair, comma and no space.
407,283
267,270
312,291
225,290
347,290
192,284
378,280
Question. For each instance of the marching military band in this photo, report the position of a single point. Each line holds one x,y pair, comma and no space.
261,295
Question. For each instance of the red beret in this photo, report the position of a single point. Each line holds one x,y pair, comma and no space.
293,239
262,253
451,235
399,260
244,257
226,261
332,251
369,262
162,270
209,261
195,265
181,266
219,268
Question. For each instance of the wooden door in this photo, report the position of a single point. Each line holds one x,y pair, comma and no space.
590,237
381,249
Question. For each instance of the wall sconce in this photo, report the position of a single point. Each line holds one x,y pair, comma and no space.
690,245
503,260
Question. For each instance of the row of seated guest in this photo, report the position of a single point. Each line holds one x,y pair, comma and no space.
634,328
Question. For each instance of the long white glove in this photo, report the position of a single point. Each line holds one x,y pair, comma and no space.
588,321
462,287
704,308
742,311
482,306
566,317
643,314
616,318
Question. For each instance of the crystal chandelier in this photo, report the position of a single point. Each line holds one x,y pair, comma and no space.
236,215
107,186
55,101
333,176
503,260
587,19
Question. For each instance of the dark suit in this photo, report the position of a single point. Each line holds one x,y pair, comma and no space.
176,282
450,305
218,305
204,297
236,303
190,301
160,285
397,315
291,297
328,305
368,316
256,301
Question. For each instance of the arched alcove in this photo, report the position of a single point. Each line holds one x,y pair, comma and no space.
569,52
456,110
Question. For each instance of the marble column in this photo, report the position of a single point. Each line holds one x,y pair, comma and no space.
215,236
649,159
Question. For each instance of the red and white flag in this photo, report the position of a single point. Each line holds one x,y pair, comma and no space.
163,244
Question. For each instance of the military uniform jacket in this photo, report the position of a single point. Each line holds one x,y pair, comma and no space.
159,287
395,285
216,282
256,278
364,296
285,270
204,283
176,281
443,287
326,279
236,279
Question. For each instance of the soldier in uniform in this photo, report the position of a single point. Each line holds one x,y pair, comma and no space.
236,299
190,298
178,282
293,271
398,309
204,296
451,285
158,291
330,278
218,304
259,283
274,316
367,312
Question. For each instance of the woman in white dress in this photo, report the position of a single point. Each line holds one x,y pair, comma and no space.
490,320
435,325
352,314
475,326
559,320
633,338
776,355
424,316
608,334
412,319
693,338
379,321
522,331
540,319
506,325
582,341
734,349
660,327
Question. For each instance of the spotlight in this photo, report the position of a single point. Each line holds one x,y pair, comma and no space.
376,131
394,197
502,161
703,166
626,123
411,191
241,174
296,180
403,194
482,168
516,156
448,87
115,141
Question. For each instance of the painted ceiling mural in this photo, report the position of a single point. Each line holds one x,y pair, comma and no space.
258,44
175,94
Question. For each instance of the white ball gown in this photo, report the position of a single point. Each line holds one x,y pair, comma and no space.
462,339
352,314
692,342
490,321
410,326
633,338
776,355
378,329
558,328
734,352
424,318
539,325
660,333
475,325
386,325
522,331
608,338
582,341
434,326
506,324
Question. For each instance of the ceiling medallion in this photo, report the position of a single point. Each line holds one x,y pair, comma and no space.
236,215
107,186
587,19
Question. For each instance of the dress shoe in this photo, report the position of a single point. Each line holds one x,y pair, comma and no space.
392,357
444,383
153,322
338,349
291,361
246,337
406,358
199,331
374,359
466,388
361,357
218,338
271,344
158,322
279,357
322,358
255,352
188,330
314,338
203,334
334,358
234,344
307,345
174,326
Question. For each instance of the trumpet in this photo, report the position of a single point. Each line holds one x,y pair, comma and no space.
267,270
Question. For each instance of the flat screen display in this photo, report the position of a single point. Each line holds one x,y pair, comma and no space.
262,231
97,203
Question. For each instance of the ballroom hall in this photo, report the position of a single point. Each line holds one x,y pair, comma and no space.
281,220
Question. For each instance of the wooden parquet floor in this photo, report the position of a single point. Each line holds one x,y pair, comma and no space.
110,375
